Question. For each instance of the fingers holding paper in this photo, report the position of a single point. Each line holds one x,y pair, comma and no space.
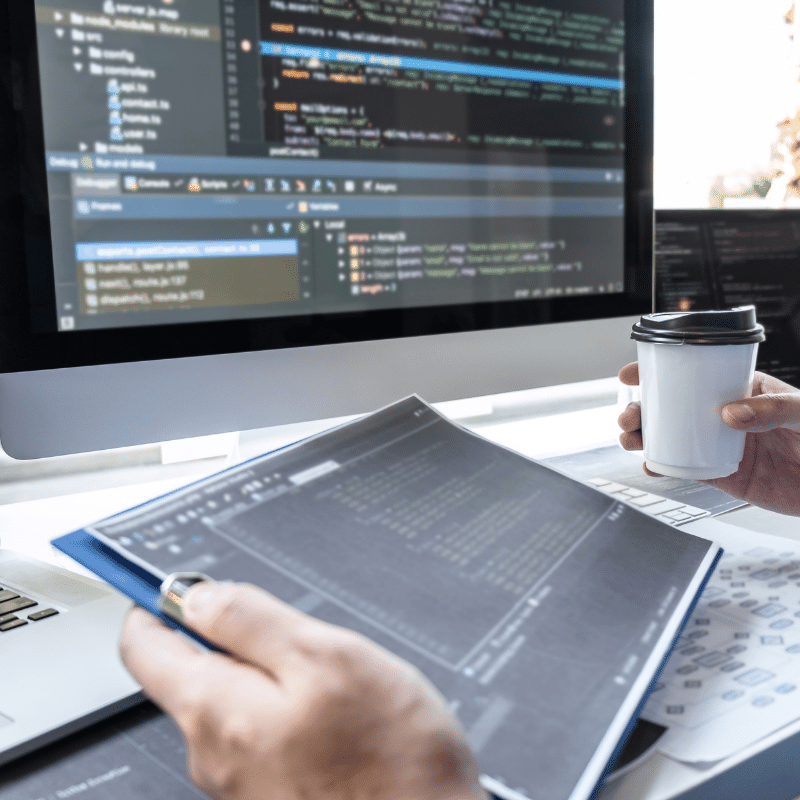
300,708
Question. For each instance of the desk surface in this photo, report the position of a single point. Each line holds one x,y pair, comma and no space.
36,508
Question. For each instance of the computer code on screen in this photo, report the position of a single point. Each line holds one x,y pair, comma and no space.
210,160
725,259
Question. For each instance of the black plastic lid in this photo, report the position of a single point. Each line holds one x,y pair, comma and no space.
735,326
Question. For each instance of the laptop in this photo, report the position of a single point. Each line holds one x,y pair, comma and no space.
70,624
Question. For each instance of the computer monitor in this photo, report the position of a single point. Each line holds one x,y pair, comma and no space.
727,177
225,215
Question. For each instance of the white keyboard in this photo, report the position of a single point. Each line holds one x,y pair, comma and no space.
672,512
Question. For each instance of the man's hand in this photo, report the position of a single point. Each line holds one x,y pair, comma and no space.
769,473
300,709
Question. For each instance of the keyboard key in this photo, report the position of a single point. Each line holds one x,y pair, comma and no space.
737,585
776,584
690,651
737,595
45,612
719,603
769,610
754,676
674,709
11,624
698,634
665,507
711,591
633,493
712,659
780,624
7,618
8,594
598,482
612,487
646,500
693,684
772,640
785,688
741,635
793,649
737,648
702,621
688,669
692,511
16,605
678,516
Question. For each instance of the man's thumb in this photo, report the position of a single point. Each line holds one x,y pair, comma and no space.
764,413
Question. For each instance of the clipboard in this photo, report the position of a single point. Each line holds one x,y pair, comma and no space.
162,598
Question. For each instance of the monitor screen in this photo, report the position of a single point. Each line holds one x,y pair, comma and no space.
723,259
206,176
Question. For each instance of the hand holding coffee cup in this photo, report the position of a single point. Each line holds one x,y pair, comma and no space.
768,474
690,365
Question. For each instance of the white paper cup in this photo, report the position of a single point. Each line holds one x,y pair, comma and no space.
685,382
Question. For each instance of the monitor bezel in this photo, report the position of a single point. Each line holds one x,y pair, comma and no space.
29,264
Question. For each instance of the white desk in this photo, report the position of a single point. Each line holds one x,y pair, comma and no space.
35,509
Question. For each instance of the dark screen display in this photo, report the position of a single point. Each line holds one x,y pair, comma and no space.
723,259
283,173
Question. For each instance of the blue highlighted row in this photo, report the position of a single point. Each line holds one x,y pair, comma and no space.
220,248
278,50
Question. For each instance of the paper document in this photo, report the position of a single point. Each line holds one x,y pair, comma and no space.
540,607
734,676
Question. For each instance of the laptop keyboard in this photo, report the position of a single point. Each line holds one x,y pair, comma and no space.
672,512
12,603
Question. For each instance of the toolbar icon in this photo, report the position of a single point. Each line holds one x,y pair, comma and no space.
349,186
269,184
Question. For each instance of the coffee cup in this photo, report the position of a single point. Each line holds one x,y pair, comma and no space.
690,365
